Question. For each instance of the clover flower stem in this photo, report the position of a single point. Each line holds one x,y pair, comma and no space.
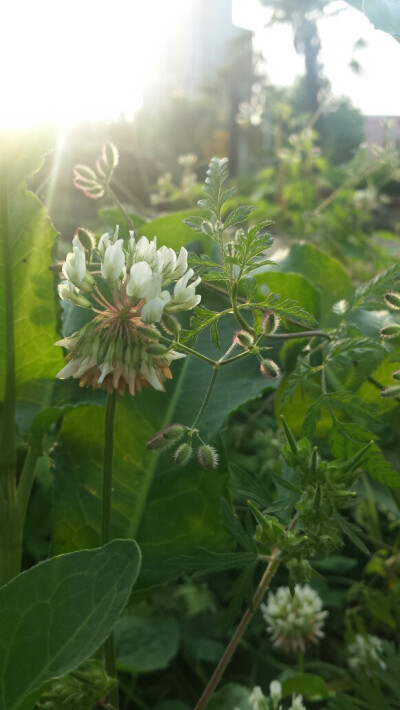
109,651
300,662
11,523
118,204
240,629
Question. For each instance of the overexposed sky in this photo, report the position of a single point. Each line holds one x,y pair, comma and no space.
374,93
66,61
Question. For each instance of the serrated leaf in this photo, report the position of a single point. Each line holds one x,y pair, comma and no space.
372,291
351,531
57,614
239,215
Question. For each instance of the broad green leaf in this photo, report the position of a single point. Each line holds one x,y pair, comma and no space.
306,684
148,487
56,615
173,232
110,217
324,272
146,643
293,286
384,14
35,312
24,152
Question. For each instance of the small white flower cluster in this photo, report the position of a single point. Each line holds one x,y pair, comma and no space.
365,654
258,700
294,622
119,349
142,271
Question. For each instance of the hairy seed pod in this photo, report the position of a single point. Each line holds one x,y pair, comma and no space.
392,391
171,324
392,300
390,331
270,323
183,454
166,438
244,339
396,375
269,369
208,457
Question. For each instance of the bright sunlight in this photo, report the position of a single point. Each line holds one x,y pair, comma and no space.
69,61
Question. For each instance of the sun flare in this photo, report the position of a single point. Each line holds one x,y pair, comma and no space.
65,62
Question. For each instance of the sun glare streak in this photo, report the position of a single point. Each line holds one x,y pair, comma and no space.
67,61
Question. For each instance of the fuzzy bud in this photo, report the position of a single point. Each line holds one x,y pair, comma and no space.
208,457
392,300
390,331
270,323
393,391
166,438
269,369
396,375
86,238
171,324
158,350
244,339
148,332
183,454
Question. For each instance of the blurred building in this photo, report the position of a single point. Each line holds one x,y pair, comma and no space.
381,129
200,40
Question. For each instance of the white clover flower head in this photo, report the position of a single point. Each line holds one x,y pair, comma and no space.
297,703
365,654
294,622
257,699
118,349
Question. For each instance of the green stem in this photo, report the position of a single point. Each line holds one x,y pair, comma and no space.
189,351
242,321
26,480
109,652
7,448
206,397
119,205
302,334
11,524
236,357
241,628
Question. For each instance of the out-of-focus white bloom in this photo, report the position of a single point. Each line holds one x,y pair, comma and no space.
139,276
184,296
275,692
365,654
187,160
257,699
294,622
297,703
113,266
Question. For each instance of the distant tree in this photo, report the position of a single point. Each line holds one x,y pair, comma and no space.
302,15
